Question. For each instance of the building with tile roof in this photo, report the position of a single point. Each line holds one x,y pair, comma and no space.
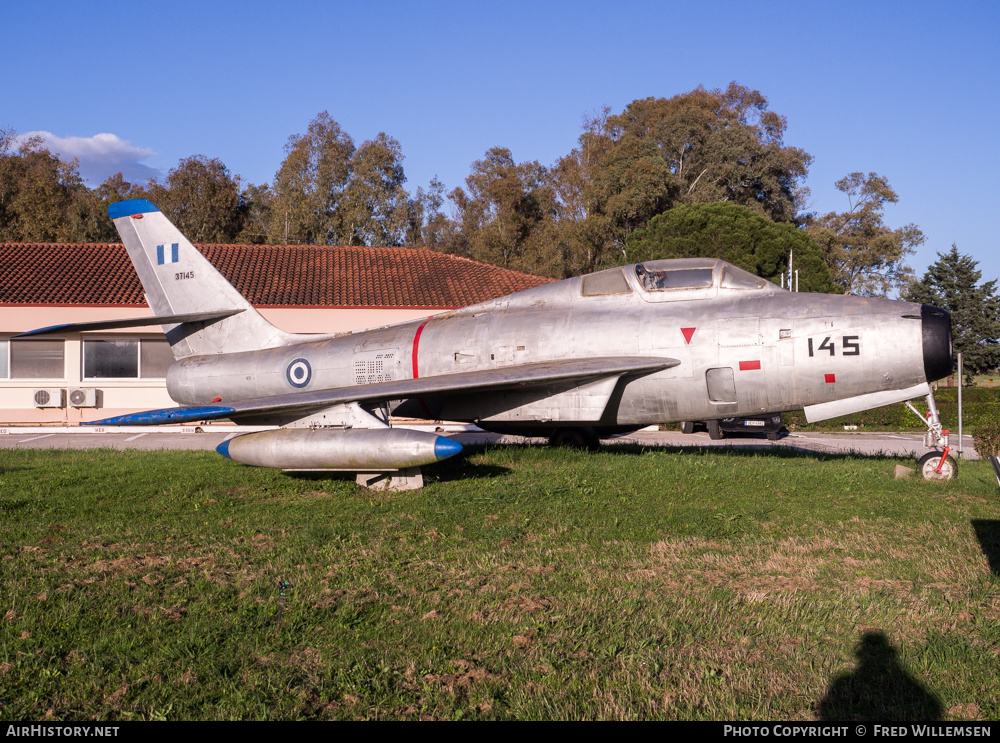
298,288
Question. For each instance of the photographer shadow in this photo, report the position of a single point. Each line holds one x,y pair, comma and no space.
878,689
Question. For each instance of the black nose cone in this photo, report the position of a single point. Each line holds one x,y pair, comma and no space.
936,325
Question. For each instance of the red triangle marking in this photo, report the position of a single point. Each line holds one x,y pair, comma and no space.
688,332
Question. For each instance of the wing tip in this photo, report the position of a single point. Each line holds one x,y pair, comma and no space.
188,414
43,331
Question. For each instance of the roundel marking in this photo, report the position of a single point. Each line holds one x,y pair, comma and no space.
298,373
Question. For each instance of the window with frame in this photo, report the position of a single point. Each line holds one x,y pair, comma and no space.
33,359
126,358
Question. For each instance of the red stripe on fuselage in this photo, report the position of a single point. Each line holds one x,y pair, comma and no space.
416,368
416,343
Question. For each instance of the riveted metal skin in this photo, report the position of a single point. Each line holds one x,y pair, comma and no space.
662,341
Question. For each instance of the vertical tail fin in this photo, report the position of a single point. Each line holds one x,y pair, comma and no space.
179,280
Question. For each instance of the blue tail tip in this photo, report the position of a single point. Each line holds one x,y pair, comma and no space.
444,448
130,208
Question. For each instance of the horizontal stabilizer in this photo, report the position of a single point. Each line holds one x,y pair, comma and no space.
509,377
131,322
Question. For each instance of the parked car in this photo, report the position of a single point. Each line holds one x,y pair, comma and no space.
768,424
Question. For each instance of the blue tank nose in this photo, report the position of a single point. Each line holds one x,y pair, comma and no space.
936,330
445,447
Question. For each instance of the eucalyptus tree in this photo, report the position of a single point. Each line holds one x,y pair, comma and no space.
865,256
698,147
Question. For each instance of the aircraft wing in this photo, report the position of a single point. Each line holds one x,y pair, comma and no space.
131,322
508,377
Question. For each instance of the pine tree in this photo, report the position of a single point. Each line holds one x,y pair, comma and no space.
952,283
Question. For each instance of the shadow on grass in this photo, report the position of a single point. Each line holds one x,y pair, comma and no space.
878,689
748,449
460,469
311,475
447,471
988,534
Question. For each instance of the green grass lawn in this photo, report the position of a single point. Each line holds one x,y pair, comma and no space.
521,582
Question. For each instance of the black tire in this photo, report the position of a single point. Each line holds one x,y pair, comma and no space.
687,427
575,438
714,430
773,435
927,467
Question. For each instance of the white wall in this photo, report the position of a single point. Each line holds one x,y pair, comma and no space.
121,396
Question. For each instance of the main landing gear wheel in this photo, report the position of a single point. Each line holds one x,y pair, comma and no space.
687,427
928,465
575,438
714,430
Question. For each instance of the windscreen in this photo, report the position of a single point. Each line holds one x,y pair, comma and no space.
605,282
737,278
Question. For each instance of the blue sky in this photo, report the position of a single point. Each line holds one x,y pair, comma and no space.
907,89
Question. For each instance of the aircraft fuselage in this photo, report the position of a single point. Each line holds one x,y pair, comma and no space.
743,350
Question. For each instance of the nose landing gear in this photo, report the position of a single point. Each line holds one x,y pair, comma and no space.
935,465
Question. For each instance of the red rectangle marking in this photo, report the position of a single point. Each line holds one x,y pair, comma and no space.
748,365
831,378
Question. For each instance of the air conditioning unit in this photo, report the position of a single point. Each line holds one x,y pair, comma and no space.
51,397
80,397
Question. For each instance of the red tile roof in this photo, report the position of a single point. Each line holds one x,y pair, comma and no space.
267,275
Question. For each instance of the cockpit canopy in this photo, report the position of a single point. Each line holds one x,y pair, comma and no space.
694,273
673,278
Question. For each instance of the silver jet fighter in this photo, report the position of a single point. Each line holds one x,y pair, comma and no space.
609,352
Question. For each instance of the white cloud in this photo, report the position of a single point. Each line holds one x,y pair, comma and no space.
100,156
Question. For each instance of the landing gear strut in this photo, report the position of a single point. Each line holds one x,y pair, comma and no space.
935,465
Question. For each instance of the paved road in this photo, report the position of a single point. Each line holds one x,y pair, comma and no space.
860,443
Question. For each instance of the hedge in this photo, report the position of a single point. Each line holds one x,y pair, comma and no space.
980,407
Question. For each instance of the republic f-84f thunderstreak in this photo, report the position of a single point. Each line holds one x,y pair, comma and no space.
605,353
